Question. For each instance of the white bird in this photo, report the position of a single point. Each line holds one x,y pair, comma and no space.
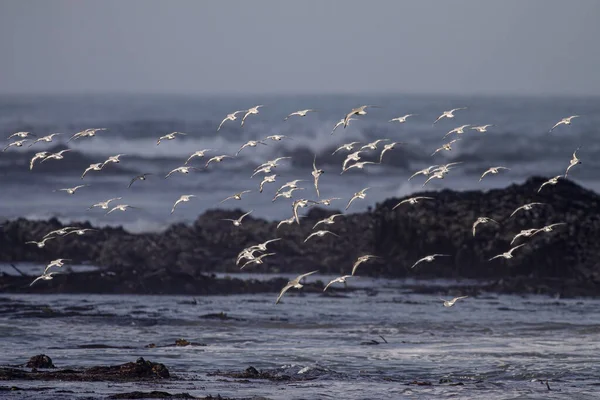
41,243
564,121
574,161
263,246
141,177
341,279
257,260
81,232
435,175
327,202
373,145
387,147
412,200
341,122
59,232
271,163
526,207
250,111
56,156
446,167
250,143
121,207
266,179
549,228
449,114
286,194
292,184
169,136
183,199
551,181
346,146
47,138
357,111
493,170
425,171
429,259
327,221
104,204
230,117
73,189
247,254
56,263
236,196
358,195
481,128
113,159
20,135
351,157
507,254
294,283
458,130
86,133
450,303
183,170
447,147
237,222
483,220
216,159
199,154
316,173
288,221
402,119
301,113
358,165
277,138
524,233
300,203
44,276
92,167
37,156
360,260
320,234
18,143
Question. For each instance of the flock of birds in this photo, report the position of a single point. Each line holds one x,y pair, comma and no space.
255,255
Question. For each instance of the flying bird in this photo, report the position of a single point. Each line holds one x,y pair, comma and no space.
412,200
47,138
250,111
121,207
230,117
294,283
236,196
481,128
341,122
199,154
141,177
183,199
402,119
292,185
113,159
450,303
266,179
387,147
277,138
169,136
362,110
549,228
56,156
507,254
358,195
92,167
360,260
574,161
373,145
18,143
327,221
341,279
429,259
301,113
257,260
526,207
459,130
327,202
56,263
564,121
72,190
86,133
183,170
551,181
425,171
250,143
358,165
483,220
37,156
20,135
493,170
286,194
216,159
346,146
81,232
316,173
447,147
41,244
448,114
237,222
44,276
320,234
104,204
523,233
300,203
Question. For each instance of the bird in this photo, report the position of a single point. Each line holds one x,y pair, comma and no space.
341,279
328,221
526,207
483,220
373,145
92,167
216,159
446,167
247,254
549,228
236,196
327,202
169,136
574,161
41,244
341,122
402,119
56,263
121,207
412,200
551,181
300,203
507,254
45,276
250,111
263,246
564,121
429,259
447,147
230,117
448,114
47,138
294,283
358,195
358,165
346,146
104,204
320,234
271,163
184,170
435,175
237,222
357,111
56,156
286,194
523,233
59,232
301,113
141,177
199,154
113,159
250,143
481,128
292,185
86,133
387,147
351,157
81,232
183,199
360,260
450,303
20,135
37,156
316,173
288,221
18,143
425,171
257,260
458,130
72,190
277,138
266,179
493,170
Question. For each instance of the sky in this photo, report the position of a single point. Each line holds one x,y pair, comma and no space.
531,47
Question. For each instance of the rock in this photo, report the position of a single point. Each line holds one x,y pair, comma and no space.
152,395
40,361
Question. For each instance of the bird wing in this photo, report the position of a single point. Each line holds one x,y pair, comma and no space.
419,261
35,280
350,202
285,289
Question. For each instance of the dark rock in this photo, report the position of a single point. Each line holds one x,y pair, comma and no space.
152,395
40,361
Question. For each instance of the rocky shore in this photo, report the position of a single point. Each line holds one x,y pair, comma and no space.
180,259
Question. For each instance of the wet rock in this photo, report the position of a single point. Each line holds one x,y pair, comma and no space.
253,373
40,361
152,395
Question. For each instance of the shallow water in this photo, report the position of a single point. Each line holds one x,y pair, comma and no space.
497,346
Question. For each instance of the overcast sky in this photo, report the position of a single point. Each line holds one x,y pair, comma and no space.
293,46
